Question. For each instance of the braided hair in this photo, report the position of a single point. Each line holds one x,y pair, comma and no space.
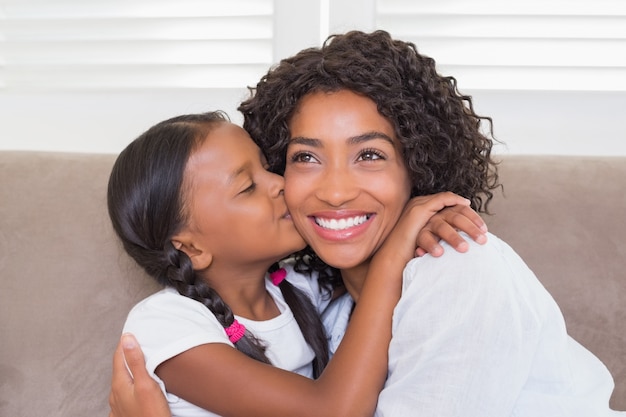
146,205
442,143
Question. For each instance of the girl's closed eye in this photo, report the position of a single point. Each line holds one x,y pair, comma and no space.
250,188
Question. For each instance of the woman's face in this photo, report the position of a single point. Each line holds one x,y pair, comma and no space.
345,180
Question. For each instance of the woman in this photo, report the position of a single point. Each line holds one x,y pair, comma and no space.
358,127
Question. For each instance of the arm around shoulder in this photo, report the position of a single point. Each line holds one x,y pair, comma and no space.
464,335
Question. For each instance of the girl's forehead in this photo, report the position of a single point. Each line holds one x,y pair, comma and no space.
225,148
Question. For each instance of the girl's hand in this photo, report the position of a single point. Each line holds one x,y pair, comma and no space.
425,214
138,396
445,225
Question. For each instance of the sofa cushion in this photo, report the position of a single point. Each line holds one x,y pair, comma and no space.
566,217
66,285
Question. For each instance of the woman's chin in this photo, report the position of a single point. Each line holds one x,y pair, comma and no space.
342,260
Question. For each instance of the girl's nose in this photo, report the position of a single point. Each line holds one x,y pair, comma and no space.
277,185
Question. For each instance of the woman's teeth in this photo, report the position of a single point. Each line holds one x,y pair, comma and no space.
341,224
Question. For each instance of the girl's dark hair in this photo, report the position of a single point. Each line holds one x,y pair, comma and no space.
440,134
146,206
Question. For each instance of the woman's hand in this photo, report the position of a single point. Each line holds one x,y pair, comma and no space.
445,225
134,393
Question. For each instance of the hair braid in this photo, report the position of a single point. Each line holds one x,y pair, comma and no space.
182,277
310,324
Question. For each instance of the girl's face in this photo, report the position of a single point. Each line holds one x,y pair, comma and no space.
237,210
346,183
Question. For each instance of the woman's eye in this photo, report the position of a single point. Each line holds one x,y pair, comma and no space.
302,157
370,155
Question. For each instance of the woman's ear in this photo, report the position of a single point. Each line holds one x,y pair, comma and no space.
200,259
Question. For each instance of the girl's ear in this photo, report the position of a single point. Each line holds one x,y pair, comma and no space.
200,259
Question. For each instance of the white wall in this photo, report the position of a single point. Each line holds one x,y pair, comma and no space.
98,121
529,122
550,122
574,123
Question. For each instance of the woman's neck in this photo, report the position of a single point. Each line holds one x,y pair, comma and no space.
354,278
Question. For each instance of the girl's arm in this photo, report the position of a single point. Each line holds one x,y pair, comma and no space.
221,379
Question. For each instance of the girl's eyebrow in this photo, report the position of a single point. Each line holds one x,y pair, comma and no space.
238,172
233,176
245,167
352,140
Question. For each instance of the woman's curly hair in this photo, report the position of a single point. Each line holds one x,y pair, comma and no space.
442,143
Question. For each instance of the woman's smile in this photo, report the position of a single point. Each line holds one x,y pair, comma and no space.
341,225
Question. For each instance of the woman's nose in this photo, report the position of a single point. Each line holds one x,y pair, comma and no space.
336,187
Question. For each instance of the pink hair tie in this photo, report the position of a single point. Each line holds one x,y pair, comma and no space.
235,331
278,276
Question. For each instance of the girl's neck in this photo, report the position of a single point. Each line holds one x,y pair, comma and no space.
245,292
354,279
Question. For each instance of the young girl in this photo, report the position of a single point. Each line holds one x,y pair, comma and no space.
194,205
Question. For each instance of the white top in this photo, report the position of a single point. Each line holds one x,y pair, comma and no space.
477,335
167,324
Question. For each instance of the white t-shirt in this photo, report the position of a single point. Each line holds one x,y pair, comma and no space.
167,324
477,335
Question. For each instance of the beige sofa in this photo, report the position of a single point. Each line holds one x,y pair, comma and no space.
65,285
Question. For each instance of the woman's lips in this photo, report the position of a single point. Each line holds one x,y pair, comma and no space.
342,223
340,226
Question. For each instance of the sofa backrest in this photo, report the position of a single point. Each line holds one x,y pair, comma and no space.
66,285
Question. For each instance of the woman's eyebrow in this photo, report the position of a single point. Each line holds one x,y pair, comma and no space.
352,140
301,140
364,137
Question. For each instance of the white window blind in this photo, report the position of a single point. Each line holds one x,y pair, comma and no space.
80,45
566,45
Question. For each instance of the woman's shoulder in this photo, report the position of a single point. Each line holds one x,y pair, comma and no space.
494,248
487,278
492,261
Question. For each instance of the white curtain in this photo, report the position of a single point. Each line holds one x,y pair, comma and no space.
564,45
133,44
